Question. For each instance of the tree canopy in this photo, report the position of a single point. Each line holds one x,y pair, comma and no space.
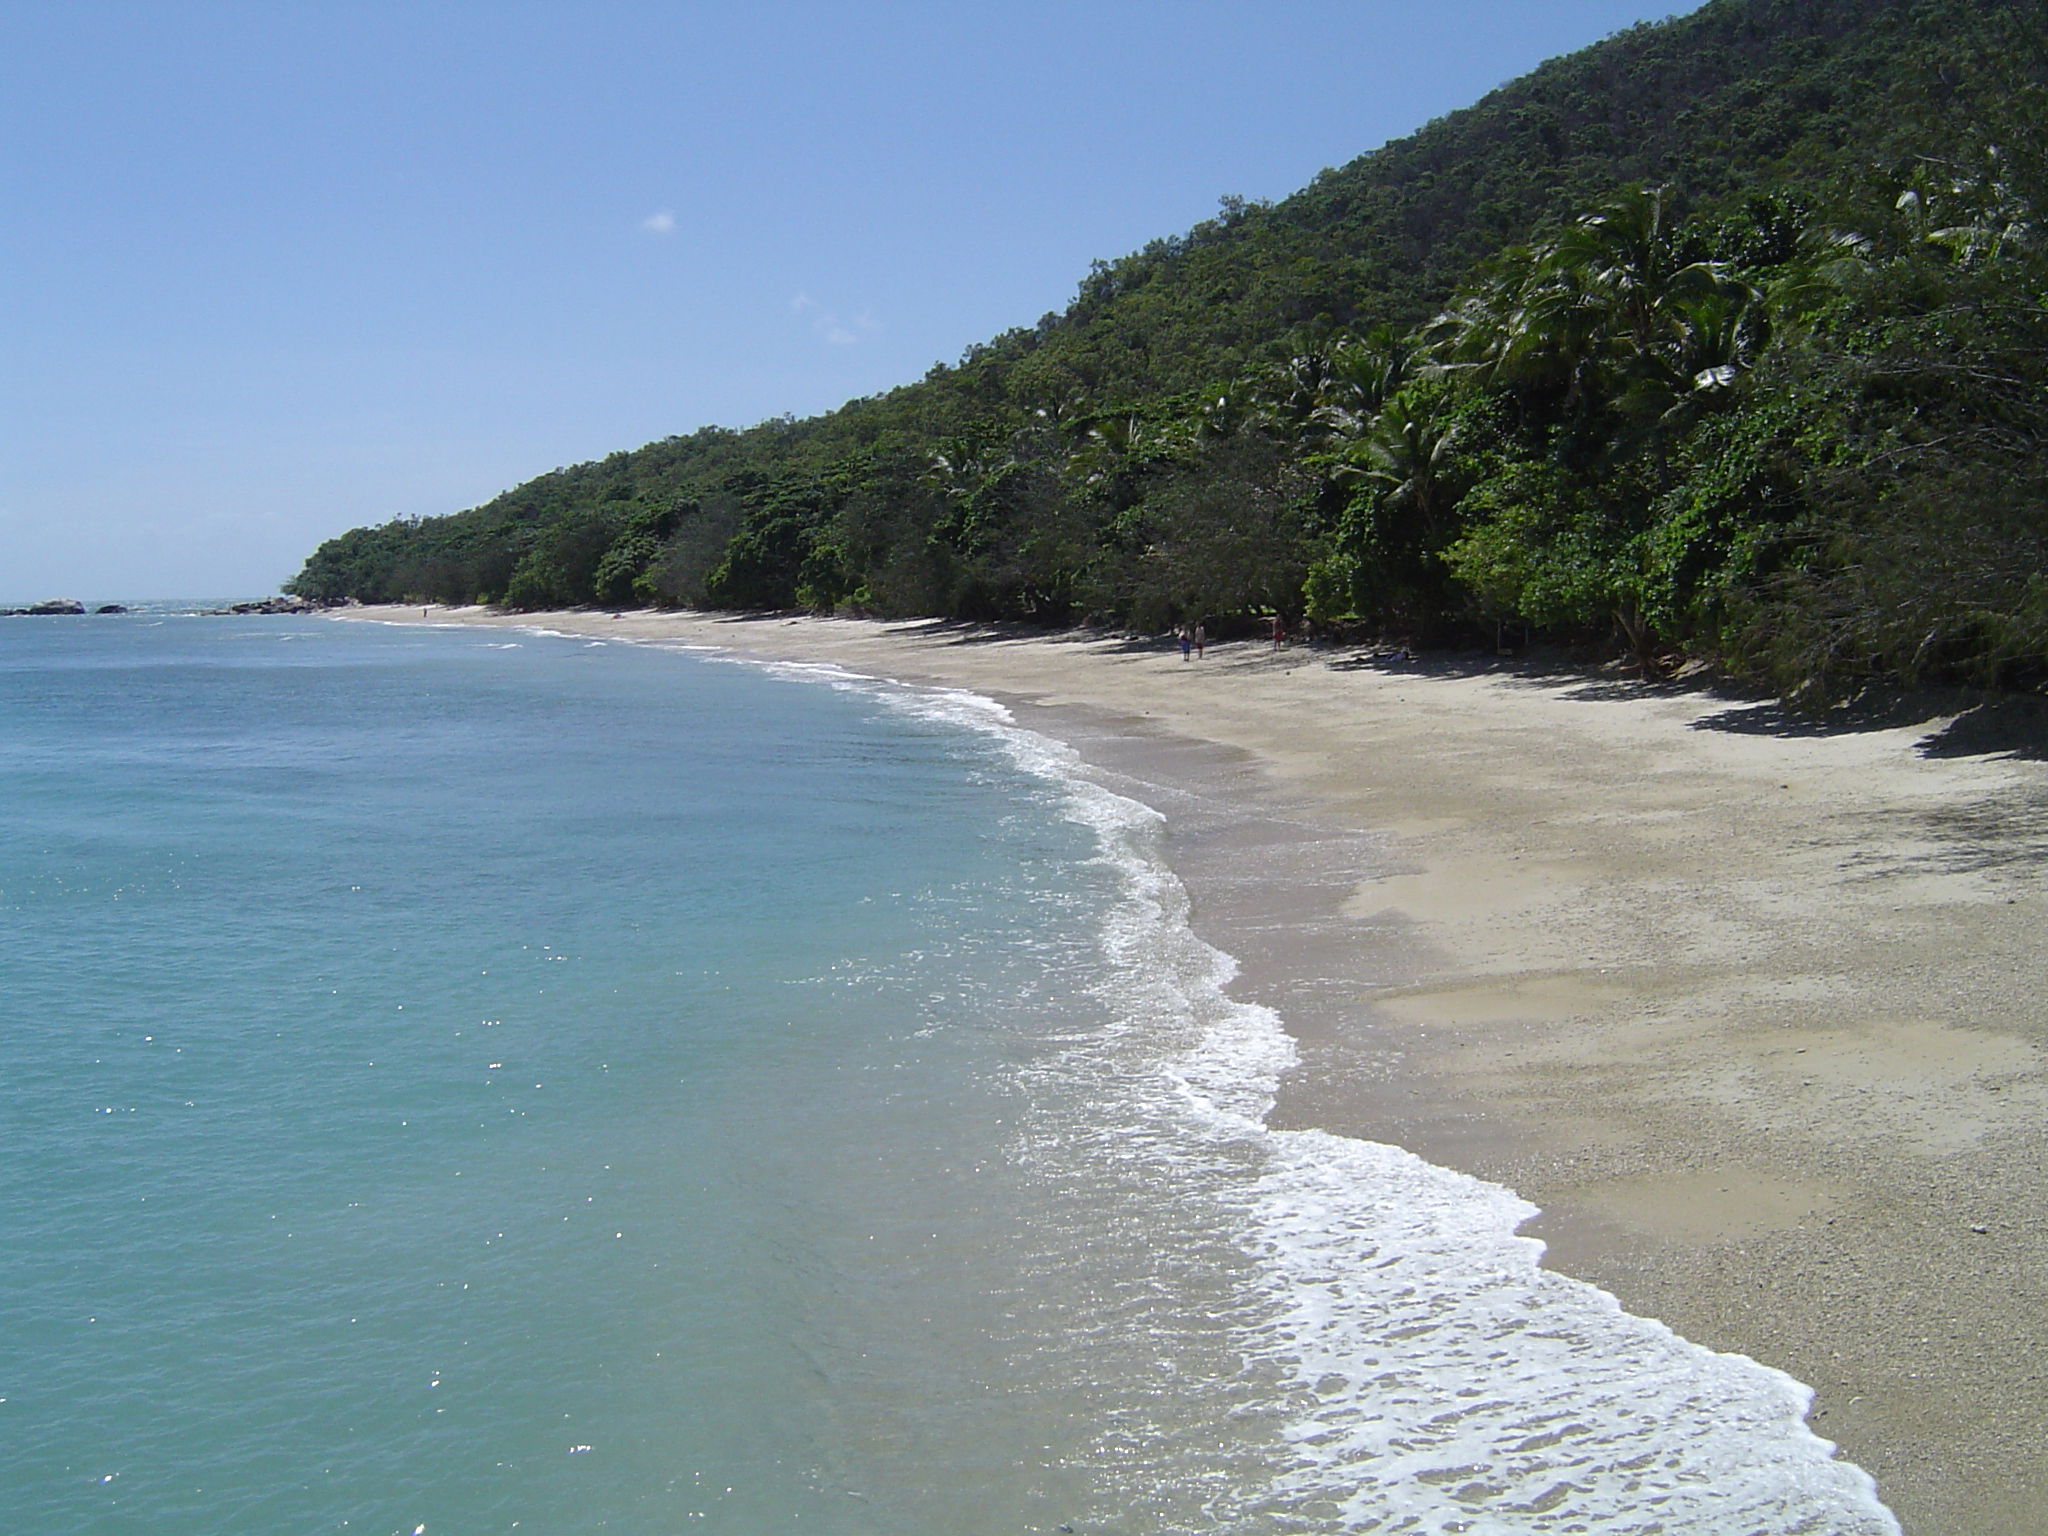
1723,338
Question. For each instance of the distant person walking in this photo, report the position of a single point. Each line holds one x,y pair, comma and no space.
1279,631
1201,640
1187,641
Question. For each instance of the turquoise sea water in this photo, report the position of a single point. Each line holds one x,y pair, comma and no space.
469,1081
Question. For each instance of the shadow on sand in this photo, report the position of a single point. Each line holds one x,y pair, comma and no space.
1961,724
2014,726
983,632
1970,724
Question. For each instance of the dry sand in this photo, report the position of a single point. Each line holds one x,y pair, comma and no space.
1751,1010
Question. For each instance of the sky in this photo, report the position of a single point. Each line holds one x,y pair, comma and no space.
272,271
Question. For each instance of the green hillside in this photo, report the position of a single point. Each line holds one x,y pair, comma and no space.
1723,338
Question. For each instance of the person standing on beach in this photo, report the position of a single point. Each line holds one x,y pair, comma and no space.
1279,631
1201,639
1187,641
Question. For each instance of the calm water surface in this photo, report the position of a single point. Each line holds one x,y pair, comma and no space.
468,1081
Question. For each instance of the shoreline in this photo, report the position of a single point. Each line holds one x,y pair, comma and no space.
1747,1010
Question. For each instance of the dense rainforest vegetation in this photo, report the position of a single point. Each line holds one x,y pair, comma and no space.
1726,338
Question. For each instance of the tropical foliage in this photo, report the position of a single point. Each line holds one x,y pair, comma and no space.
1725,338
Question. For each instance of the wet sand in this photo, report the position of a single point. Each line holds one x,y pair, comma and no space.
1752,1010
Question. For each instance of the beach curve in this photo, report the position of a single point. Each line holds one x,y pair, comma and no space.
1745,1009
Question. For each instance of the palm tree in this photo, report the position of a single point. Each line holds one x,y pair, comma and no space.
1407,455
1115,449
1362,373
1614,315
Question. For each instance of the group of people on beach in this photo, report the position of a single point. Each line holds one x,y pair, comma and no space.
1194,638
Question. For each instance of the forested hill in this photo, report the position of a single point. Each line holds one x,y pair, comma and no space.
1723,337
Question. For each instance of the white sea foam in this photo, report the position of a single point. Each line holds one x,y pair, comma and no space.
1428,1374
1438,1378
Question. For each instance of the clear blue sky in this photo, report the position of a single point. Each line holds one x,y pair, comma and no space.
271,270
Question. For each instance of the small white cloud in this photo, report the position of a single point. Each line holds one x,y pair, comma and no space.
662,223
829,328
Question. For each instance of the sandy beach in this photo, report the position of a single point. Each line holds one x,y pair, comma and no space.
1749,1007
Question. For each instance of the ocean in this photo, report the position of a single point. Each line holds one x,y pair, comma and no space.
470,1080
